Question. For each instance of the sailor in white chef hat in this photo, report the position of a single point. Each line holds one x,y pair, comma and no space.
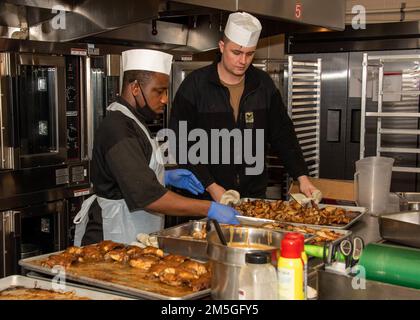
238,46
146,74
128,172
235,95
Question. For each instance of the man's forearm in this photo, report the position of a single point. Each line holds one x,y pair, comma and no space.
303,179
173,204
216,191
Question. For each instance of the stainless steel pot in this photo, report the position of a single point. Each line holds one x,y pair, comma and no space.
409,201
227,261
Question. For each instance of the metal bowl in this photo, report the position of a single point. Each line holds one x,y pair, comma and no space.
227,261
198,227
409,201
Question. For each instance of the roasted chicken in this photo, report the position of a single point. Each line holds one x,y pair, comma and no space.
64,259
194,267
108,245
144,263
173,270
322,235
118,255
153,251
91,253
174,259
294,212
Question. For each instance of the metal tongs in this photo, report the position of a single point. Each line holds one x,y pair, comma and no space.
218,230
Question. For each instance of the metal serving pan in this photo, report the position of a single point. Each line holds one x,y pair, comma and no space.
44,277
252,221
21,281
172,240
30,264
402,227
344,234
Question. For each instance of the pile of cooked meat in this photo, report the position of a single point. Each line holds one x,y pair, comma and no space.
22,293
173,270
294,212
321,235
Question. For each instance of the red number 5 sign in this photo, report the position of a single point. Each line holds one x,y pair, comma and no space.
298,11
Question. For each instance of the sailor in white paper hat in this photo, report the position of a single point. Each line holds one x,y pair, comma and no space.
235,95
243,29
128,172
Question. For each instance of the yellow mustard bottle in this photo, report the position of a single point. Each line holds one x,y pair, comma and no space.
290,270
301,238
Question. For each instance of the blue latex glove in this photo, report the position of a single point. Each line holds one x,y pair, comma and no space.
222,213
183,179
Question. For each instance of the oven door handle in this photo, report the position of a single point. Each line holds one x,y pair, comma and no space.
13,111
14,215
8,122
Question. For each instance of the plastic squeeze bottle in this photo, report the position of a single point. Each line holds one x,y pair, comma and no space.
301,238
290,270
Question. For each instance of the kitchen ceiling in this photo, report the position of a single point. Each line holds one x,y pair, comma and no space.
194,25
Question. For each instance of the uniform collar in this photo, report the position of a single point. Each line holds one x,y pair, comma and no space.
137,113
251,78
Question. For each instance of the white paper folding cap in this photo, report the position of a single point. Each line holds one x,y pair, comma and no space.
147,60
243,29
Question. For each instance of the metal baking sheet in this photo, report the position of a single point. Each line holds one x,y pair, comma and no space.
252,221
44,277
21,281
344,233
29,265
170,240
401,227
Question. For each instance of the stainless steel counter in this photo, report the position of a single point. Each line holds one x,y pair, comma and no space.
367,228
332,286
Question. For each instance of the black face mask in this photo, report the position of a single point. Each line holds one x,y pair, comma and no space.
146,111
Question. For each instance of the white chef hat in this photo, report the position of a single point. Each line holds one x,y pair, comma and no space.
243,29
147,60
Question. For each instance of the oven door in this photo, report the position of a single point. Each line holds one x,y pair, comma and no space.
10,242
32,231
37,109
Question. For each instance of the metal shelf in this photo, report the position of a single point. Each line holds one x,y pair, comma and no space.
304,82
305,103
399,150
382,60
305,109
307,64
309,134
299,123
393,114
304,116
406,169
400,131
404,93
395,58
306,128
306,96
